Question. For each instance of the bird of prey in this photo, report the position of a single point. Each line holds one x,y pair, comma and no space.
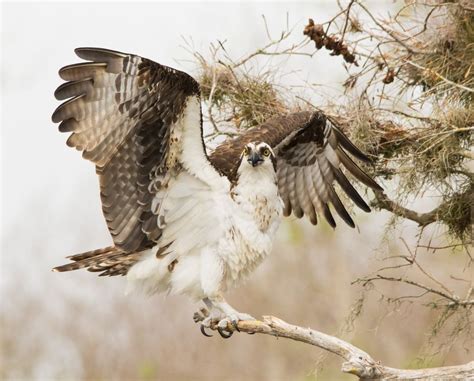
182,220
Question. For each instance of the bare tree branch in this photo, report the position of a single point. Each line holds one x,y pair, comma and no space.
423,219
357,361
431,290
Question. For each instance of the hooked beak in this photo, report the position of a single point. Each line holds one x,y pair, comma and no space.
255,159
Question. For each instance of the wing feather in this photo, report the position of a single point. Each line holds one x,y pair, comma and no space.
291,179
348,145
282,185
358,173
312,195
82,70
302,194
328,174
350,190
320,145
310,151
121,110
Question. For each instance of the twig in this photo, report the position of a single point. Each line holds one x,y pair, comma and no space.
357,361
425,272
388,31
441,247
347,19
431,71
294,49
211,95
453,298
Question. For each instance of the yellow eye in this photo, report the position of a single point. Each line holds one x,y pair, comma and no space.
246,151
266,152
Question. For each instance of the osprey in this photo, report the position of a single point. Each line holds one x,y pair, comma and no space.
183,221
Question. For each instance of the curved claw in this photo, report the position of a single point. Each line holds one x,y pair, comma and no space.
251,333
224,334
203,331
235,324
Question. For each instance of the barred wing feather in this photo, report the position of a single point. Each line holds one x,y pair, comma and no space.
122,111
311,152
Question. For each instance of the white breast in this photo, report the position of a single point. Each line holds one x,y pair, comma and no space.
257,213
213,235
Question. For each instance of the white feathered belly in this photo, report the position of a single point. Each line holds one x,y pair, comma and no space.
220,266
244,247
218,242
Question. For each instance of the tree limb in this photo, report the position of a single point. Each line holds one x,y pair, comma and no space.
357,361
423,219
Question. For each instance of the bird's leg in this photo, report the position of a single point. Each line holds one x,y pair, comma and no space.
227,315
207,317
219,313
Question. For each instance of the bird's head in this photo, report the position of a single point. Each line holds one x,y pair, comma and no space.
258,155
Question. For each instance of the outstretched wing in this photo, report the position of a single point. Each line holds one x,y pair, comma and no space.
132,117
311,153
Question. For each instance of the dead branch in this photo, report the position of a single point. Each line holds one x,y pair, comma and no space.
357,362
423,219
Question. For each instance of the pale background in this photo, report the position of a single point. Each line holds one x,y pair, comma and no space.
77,326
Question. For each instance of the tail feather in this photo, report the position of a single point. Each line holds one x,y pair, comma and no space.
92,253
108,261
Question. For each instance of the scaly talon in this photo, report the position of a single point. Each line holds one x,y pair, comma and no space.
224,334
235,324
219,316
203,331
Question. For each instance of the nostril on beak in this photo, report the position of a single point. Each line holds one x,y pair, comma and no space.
254,159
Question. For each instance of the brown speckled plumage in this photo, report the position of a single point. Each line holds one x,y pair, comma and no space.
120,116
310,153
120,112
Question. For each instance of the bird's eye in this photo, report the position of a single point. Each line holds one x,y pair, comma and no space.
246,151
266,152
